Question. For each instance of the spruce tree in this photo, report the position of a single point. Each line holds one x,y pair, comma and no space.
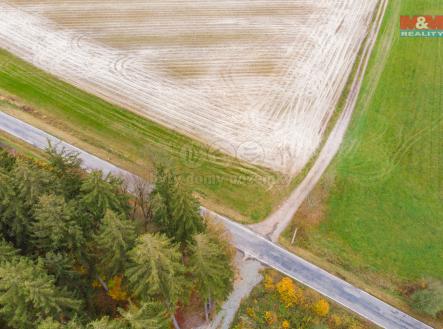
211,269
7,160
186,219
106,323
156,270
176,211
7,252
100,194
61,266
50,323
55,228
14,214
150,315
66,167
28,295
31,182
114,239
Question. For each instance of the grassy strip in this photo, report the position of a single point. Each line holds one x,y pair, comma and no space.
9,142
379,216
134,142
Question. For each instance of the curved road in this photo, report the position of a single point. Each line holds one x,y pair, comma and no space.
249,242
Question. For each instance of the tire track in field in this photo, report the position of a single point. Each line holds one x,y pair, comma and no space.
258,73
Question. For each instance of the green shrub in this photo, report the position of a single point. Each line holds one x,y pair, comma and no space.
430,299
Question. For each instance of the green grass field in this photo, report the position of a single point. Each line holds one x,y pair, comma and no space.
384,212
133,142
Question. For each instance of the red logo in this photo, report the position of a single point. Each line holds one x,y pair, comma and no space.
421,23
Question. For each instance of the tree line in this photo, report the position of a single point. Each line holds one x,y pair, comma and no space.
78,251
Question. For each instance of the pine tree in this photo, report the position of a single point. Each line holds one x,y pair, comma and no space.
66,167
106,323
212,270
4,186
186,218
175,209
115,238
28,294
61,266
100,194
150,315
31,182
7,161
7,252
161,198
50,323
156,270
14,214
55,228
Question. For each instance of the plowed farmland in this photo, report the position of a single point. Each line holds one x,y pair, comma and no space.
256,79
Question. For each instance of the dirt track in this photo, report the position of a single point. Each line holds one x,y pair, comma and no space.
258,79
277,222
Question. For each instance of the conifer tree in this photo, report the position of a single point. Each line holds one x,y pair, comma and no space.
211,269
161,198
115,238
150,315
186,219
30,182
55,228
28,294
50,323
14,214
156,270
66,166
106,323
7,252
7,161
100,194
175,209
61,266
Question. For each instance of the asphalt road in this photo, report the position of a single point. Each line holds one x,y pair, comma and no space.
250,243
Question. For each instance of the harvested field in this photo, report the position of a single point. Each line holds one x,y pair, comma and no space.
261,78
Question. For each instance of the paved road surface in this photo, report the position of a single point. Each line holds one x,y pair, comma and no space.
250,243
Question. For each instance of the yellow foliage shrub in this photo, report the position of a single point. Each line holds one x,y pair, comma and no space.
250,312
116,291
321,308
290,294
96,284
335,321
270,318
